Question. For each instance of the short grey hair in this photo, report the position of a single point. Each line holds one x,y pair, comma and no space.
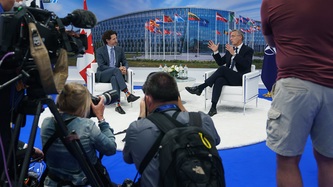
239,32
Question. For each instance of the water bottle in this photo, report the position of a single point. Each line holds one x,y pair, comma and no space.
160,68
185,74
181,71
165,69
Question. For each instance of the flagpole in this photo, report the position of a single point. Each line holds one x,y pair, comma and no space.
188,37
150,46
252,39
215,29
155,45
228,28
146,43
198,38
235,25
163,38
175,39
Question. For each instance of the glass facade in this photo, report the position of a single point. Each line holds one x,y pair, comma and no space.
138,34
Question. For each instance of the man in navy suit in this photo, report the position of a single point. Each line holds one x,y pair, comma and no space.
238,60
112,67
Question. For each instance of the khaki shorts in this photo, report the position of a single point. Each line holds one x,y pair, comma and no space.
299,109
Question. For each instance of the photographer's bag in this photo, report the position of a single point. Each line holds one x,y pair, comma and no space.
187,154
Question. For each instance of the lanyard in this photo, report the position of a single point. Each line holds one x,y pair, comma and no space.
166,107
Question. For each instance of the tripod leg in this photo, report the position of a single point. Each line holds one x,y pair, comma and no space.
31,142
13,144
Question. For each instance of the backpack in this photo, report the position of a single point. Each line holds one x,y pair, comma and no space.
187,154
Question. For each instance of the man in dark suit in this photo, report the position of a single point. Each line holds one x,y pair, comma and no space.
112,67
238,60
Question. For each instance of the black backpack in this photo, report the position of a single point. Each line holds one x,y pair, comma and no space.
187,154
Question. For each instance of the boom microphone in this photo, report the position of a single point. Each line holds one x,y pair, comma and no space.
80,18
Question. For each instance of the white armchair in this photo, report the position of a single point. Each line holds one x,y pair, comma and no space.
99,87
246,93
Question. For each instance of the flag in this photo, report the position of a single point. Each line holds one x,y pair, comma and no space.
250,21
178,33
232,18
244,30
221,18
158,21
252,29
244,20
167,31
218,32
203,22
193,17
178,18
269,69
83,63
149,27
237,20
167,19
153,23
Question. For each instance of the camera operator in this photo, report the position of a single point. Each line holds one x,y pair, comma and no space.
74,104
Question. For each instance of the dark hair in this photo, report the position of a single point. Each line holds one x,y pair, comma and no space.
161,86
107,35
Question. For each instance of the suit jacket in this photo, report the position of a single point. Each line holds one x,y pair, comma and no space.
243,59
103,59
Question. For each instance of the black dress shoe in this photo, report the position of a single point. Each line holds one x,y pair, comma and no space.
120,110
212,112
132,98
194,90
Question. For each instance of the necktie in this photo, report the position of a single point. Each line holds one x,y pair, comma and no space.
233,62
112,60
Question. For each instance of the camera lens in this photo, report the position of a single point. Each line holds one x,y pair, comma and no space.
110,96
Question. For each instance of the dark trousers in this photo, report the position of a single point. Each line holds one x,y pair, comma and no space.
114,76
223,76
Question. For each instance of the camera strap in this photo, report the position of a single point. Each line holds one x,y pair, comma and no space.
41,58
52,81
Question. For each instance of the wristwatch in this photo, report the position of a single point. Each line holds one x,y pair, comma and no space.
101,121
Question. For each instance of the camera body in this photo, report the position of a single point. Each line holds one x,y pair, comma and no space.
14,35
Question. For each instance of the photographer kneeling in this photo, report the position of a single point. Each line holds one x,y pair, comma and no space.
74,103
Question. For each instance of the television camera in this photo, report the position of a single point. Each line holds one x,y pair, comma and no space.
33,40
34,45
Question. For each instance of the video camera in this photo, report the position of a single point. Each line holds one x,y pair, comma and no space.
33,40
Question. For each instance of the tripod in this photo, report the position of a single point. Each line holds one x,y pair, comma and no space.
35,107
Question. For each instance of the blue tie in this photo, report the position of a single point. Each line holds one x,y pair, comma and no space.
112,60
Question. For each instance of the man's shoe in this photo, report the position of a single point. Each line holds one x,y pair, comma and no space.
120,110
194,90
132,98
212,112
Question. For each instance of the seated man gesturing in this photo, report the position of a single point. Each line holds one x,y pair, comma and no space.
238,60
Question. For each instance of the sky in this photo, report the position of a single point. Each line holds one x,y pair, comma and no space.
104,9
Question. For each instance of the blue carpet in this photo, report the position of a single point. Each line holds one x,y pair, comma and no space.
248,166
